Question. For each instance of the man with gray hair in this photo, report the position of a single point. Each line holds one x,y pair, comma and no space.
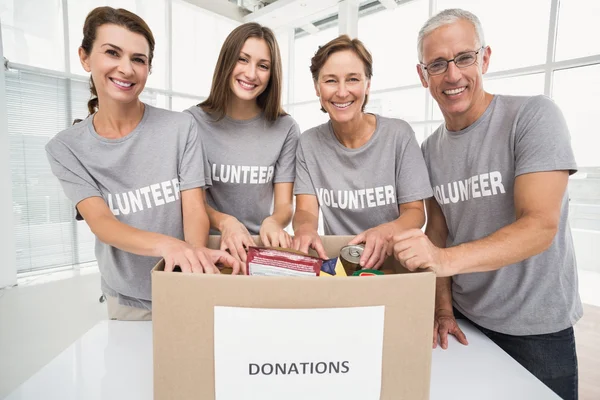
497,233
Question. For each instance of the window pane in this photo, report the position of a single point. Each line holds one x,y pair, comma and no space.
43,216
305,48
194,55
394,61
152,11
578,20
408,104
283,38
308,115
523,85
32,32
504,23
576,91
183,103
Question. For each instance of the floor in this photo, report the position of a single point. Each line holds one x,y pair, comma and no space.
45,314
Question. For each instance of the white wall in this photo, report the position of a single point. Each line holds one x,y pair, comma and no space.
8,265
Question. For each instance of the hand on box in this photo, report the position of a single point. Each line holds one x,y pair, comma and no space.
235,238
271,234
223,258
305,239
444,324
414,250
377,242
179,253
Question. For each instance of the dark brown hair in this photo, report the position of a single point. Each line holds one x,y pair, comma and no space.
220,91
341,43
118,16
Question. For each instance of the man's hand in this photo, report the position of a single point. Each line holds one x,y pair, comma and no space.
414,250
444,324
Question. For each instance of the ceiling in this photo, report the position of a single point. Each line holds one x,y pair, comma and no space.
281,14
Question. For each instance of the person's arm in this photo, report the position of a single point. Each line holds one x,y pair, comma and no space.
444,321
195,219
195,231
306,225
378,239
272,228
537,198
111,231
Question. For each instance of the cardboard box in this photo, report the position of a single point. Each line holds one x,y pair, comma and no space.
183,317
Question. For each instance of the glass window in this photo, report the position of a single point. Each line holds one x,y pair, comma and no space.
308,115
394,61
32,32
197,39
522,85
283,40
576,91
304,49
577,22
183,103
408,104
504,24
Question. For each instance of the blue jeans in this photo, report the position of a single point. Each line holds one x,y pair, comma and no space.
551,357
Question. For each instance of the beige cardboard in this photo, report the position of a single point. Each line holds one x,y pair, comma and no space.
183,317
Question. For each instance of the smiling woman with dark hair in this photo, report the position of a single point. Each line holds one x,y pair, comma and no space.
134,172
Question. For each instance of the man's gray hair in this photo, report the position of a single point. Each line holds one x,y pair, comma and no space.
447,17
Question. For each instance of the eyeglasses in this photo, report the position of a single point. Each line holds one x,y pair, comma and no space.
463,60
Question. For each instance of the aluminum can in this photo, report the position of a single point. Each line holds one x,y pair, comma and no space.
350,256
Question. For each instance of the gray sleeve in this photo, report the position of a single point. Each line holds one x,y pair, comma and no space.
75,180
285,168
542,140
412,178
194,170
303,183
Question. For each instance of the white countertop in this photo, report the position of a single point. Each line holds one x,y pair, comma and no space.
113,361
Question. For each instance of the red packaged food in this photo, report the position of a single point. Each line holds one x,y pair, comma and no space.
268,261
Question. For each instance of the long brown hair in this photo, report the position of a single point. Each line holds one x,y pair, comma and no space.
220,91
118,16
341,43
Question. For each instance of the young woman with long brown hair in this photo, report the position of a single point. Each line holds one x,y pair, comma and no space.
250,143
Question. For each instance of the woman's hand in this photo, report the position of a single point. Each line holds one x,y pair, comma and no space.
272,234
235,238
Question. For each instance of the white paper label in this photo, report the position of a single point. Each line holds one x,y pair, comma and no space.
291,354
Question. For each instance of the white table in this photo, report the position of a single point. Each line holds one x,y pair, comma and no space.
114,361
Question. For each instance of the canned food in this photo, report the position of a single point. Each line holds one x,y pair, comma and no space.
367,272
350,257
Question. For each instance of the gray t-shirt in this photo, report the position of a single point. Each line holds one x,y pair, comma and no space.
246,159
358,189
473,173
140,177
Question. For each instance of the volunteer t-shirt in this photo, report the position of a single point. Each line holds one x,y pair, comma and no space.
473,173
140,177
246,159
358,189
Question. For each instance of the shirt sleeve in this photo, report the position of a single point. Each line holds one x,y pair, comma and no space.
285,168
412,178
303,183
74,178
542,139
194,170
